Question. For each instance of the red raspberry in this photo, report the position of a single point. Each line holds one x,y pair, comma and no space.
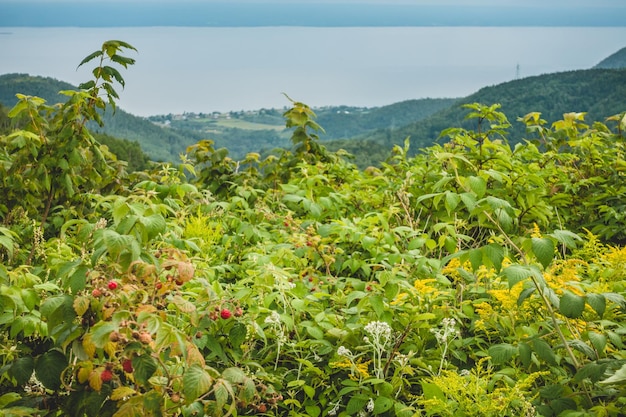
127,365
106,375
112,285
96,292
225,313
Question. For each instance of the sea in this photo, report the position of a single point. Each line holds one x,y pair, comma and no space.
208,69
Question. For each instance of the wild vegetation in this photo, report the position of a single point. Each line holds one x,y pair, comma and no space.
475,278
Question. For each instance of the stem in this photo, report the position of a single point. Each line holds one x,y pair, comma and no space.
544,297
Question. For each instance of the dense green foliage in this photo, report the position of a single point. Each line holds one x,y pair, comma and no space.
597,92
160,144
614,61
475,278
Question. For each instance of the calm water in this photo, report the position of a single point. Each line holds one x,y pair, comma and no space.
219,69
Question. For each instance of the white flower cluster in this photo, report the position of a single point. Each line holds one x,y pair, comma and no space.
378,329
447,332
344,351
273,319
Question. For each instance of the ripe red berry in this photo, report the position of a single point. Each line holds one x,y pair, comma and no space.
112,285
225,313
159,285
127,365
106,375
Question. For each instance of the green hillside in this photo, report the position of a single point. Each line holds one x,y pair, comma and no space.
240,132
598,92
615,61
160,144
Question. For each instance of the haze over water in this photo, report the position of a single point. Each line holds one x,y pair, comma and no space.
205,69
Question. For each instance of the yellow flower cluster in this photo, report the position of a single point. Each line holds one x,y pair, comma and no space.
359,369
424,287
563,275
508,297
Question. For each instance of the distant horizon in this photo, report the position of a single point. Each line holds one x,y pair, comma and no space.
197,70
157,13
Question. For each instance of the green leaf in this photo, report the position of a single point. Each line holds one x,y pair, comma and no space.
543,248
544,351
196,382
571,305
152,402
91,56
356,403
49,367
234,375
493,256
525,353
22,369
597,302
237,334
598,340
313,410
516,273
478,185
101,331
382,405
619,377
221,390
502,353
376,301
144,366
592,371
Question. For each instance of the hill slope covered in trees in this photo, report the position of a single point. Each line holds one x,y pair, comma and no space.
598,92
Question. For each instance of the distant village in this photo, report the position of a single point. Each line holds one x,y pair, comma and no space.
167,119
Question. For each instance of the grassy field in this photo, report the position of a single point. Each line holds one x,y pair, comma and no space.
242,124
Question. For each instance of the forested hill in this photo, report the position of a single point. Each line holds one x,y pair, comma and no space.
615,61
598,92
159,143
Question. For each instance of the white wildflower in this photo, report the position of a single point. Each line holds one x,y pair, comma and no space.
370,405
273,318
343,351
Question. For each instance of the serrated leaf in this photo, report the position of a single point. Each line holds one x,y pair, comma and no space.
120,393
592,371
571,305
22,369
81,305
196,382
544,351
152,402
237,334
598,341
221,392
526,292
582,347
597,302
493,256
502,353
619,377
382,405
234,375
144,367
525,353
478,185
516,273
356,403
543,249
100,333
95,381
49,367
